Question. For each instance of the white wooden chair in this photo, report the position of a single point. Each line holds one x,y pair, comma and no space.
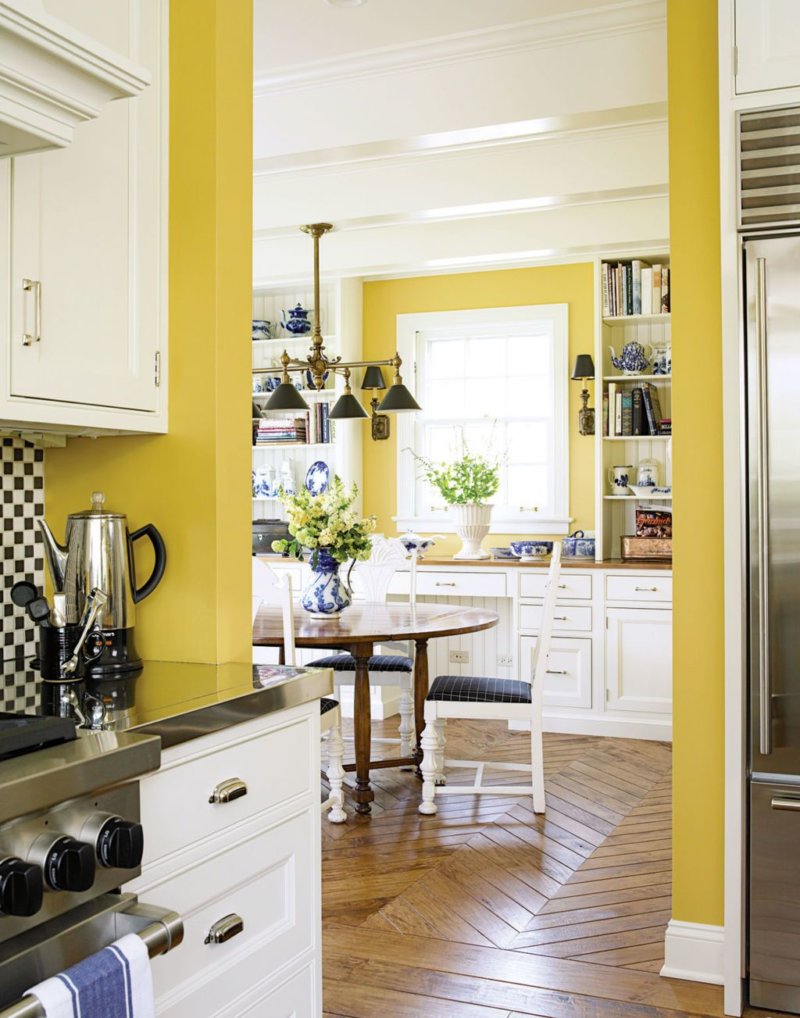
269,588
476,698
370,582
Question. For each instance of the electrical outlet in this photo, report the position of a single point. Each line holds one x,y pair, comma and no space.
459,657
505,660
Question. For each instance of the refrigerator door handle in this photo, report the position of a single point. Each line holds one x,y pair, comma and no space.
785,802
762,453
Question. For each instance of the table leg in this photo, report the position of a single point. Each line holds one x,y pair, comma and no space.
362,723
420,692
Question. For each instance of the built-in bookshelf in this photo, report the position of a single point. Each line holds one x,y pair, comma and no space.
290,443
633,412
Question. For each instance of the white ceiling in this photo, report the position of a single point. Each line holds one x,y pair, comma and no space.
457,133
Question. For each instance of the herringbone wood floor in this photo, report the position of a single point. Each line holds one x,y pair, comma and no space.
490,911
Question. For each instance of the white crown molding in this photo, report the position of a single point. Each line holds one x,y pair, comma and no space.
542,129
619,18
694,951
482,210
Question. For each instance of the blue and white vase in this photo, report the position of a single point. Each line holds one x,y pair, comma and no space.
325,596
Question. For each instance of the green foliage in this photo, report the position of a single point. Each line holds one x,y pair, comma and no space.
469,480
326,521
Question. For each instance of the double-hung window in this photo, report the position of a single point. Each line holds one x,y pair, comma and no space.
497,378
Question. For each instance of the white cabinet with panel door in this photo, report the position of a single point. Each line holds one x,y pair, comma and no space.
84,258
767,34
639,660
568,679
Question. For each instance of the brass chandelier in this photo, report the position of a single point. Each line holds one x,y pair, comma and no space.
286,397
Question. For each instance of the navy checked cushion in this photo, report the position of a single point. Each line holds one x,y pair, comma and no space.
325,705
377,663
479,689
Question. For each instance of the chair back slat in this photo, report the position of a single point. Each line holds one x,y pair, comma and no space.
541,651
269,588
371,579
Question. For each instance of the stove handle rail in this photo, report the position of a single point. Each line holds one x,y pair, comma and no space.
160,929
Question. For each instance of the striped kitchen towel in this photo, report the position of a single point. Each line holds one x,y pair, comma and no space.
114,983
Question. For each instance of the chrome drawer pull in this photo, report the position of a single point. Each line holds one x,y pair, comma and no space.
651,590
442,584
529,508
560,618
227,791
33,286
557,671
225,928
562,586
779,802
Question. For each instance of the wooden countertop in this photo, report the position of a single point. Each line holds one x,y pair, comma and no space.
567,563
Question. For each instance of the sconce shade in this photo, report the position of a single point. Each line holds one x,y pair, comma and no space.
347,408
398,399
286,397
373,378
584,367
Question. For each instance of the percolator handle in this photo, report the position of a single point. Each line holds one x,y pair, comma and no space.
148,530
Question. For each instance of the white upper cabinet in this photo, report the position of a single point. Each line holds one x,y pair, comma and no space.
767,44
86,250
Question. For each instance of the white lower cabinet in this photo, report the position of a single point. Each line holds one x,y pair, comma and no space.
568,681
639,660
248,889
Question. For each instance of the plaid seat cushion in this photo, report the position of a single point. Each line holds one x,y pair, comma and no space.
326,705
377,663
479,689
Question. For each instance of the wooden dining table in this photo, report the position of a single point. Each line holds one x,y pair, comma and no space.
358,630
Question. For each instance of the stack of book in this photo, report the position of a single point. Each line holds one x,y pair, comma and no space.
634,288
272,430
628,412
319,423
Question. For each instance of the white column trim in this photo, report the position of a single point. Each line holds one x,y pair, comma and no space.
695,952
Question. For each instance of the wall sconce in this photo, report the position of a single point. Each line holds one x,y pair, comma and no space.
373,381
584,370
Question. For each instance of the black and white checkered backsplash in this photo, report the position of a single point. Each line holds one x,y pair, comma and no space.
22,503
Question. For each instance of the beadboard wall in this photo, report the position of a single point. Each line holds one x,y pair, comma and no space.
22,493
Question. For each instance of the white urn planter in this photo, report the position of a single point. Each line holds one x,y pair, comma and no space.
472,525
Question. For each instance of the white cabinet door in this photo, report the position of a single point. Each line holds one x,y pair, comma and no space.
767,44
639,660
87,229
568,682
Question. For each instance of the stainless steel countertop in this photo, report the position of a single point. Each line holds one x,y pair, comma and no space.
179,701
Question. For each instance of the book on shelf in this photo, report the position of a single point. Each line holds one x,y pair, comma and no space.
638,418
618,414
284,430
647,290
665,428
652,408
612,408
665,302
605,414
634,288
637,266
627,412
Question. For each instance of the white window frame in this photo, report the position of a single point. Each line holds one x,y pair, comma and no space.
527,521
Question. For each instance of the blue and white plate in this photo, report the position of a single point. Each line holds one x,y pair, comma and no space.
317,477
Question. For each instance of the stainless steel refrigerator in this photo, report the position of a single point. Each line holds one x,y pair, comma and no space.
771,291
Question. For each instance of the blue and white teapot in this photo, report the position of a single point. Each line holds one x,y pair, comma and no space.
633,360
296,320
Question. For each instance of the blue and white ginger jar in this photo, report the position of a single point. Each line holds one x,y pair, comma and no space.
325,596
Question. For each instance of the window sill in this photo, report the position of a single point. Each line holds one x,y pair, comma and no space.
441,523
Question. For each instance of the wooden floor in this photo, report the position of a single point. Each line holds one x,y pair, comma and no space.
490,911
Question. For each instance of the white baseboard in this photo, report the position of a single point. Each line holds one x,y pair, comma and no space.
615,728
694,951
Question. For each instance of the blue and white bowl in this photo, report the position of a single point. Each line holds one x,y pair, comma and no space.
527,551
417,545
262,329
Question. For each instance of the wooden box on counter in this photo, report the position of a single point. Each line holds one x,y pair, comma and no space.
657,548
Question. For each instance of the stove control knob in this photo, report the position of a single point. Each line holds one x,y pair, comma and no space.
69,865
21,887
120,844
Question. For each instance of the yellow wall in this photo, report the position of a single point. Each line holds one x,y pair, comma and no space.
559,284
194,482
698,718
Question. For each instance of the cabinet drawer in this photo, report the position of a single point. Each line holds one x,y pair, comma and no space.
569,586
270,882
567,617
568,680
461,583
638,588
275,766
296,997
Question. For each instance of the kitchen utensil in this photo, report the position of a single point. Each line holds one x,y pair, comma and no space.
527,551
98,553
39,611
95,602
619,479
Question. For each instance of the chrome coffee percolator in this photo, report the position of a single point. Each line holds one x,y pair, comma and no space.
98,554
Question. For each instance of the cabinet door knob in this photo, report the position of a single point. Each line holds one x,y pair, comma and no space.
651,590
227,791
225,928
33,286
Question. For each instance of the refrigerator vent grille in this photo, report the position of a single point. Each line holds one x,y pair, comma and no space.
769,168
